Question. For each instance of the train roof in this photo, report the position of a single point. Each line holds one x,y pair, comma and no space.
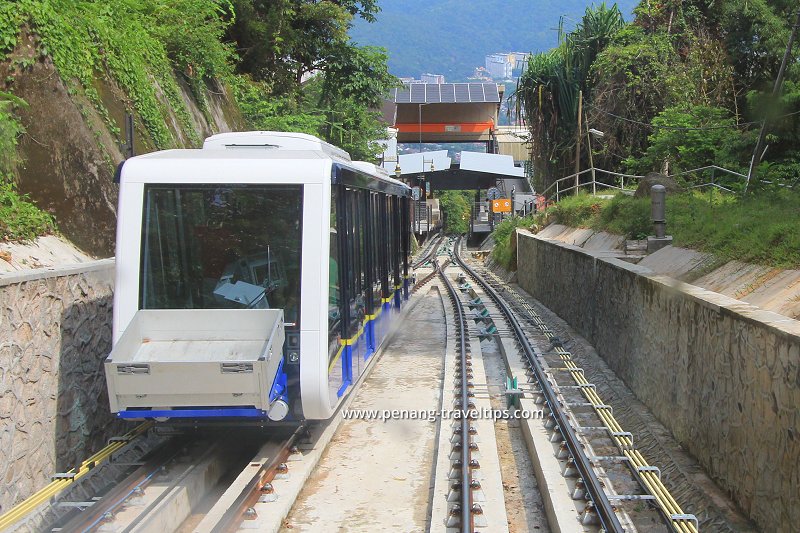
275,146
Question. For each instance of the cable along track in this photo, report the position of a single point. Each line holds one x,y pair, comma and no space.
566,425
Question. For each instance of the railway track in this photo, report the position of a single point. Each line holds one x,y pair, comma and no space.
56,499
207,482
228,483
429,252
598,452
464,513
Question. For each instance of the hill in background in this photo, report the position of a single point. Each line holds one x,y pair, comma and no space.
452,37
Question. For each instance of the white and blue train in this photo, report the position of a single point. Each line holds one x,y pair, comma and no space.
255,278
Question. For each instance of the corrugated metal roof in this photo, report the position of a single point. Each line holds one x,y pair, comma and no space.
446,93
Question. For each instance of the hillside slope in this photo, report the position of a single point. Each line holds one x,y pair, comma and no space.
70,151
451,37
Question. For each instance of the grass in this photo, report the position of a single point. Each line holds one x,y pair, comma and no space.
20,219
762,228
503,251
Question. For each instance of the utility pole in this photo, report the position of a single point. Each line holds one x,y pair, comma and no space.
127,147
776,90
578,142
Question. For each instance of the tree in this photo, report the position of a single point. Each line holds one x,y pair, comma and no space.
281,41
306,74
360,73
549,88
692,137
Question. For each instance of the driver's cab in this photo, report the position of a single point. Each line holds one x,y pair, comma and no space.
249,281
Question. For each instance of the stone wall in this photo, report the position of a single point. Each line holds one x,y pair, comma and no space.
55,332
722,375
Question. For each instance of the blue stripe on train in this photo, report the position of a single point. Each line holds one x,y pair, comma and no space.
194,413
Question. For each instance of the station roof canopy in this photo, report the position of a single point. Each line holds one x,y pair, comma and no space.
444,112
446,93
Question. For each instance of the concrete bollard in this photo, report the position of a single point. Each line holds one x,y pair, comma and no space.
658,198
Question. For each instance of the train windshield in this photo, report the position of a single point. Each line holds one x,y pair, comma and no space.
222,247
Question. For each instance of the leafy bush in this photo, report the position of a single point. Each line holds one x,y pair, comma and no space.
262,111
626,215
693,147
759,228
20,219
454,206
504,252
577,211
10,130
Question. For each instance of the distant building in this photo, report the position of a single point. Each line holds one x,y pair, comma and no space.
498,66
480,74
410,81
432,78
501,66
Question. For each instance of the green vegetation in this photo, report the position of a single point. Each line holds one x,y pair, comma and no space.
762,228
684,85
143,46
19,218
151,50
504,252
280,43
455,208
759,228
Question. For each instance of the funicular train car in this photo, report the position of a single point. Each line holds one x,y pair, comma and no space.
255,278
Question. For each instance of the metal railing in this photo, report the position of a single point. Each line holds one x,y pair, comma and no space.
557,189
714,183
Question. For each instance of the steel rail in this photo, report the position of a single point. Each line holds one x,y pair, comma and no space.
235,514
127,488
466,478
62,482
605,510
681,521
429,252
421,283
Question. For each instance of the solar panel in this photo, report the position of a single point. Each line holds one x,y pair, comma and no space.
418,93
433,93
448,91
491,91
462,92
476,92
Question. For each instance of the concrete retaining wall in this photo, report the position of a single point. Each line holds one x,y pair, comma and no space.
55,331
722,375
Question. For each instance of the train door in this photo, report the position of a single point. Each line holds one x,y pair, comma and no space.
338,366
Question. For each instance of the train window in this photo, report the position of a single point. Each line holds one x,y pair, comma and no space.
222,246
334,282
405,232
376,247
395,251
355,261
385,244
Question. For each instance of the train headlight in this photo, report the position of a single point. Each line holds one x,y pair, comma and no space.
278,410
